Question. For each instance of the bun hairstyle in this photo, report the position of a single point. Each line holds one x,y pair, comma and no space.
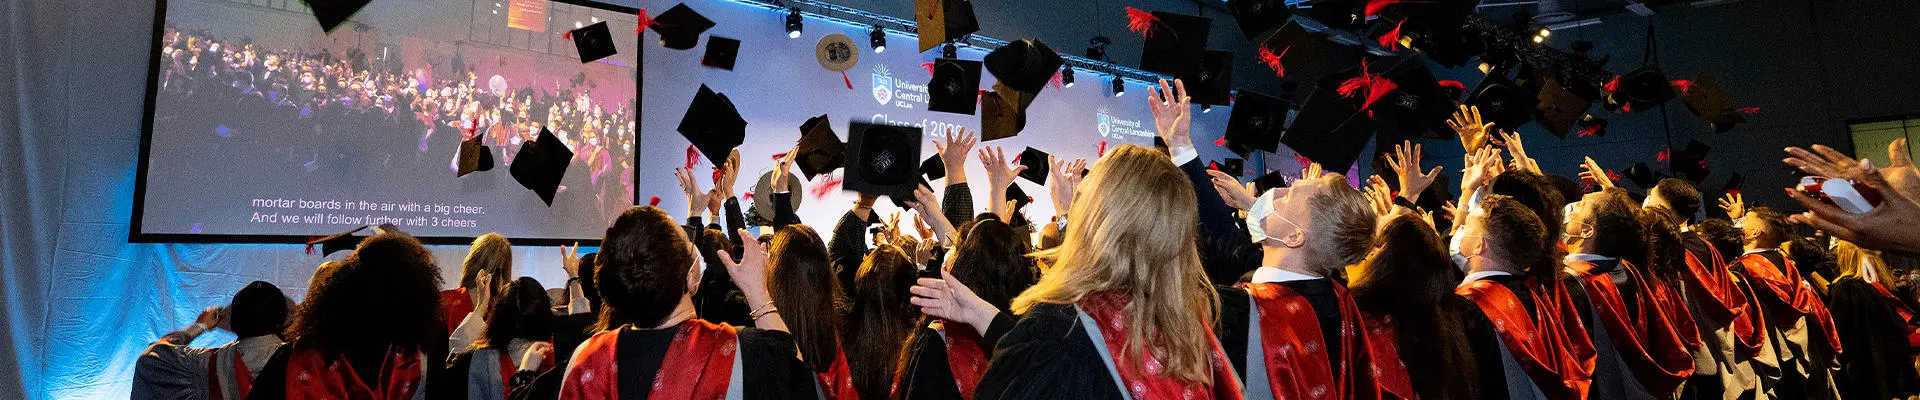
643,270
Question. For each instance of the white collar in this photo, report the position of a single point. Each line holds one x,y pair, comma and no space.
1758,251
1586,257
1482,275
1276,275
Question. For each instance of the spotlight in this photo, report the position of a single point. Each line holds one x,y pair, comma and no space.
1539,39
950,51
793,23
878,39
1205,108
1119,86
1544,32
1066,75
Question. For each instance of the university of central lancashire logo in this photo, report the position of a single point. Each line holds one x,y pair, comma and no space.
1105,123
882,84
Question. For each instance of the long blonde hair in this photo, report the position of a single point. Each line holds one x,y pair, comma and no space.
1847,258
490,254
1131,230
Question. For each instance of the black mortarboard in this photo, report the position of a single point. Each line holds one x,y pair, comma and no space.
721,52
939,21
1275,179
1303,56
1328,130
1641,89
1212,81
593,42
1559,109
901,202
1036,163
1640,175
336,242
474,157
1418,106
955,86
1003,112
1019,197
1733,183
1025,65
1259,18
881,159
713,125
1256,123
1592,126
1505,104
1174,43
820,150
1335,14
1691,162
1232,166
332,13
1708,100
933,167
680,27
542,163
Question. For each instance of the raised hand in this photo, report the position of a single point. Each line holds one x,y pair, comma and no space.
1406,166
1312,171
999,172
953,153
1511,140
780,168
928,207
949,299
920,227
570,260
535,356
691,186
1825,161
1735,205
749,274
1590,170
1473,131
1061,182
1379,196
1482,166
1171,105
1235,195
729,175
1888,227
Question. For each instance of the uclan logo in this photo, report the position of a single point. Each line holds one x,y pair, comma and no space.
882,84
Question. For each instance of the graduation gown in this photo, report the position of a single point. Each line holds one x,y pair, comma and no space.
1075,351
947,361
1799,327
486,373
1306,339
300,371
1730,328
454,305
168,369
1632,312
1528,339
1879,361
695,359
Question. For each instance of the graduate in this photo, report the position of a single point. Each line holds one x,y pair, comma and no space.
516,348
1405,287
1875,327
802,283
882,318
944,358
1799,328
1729,329
391,283
647,277
168,369
1641,354
1526,332
487,268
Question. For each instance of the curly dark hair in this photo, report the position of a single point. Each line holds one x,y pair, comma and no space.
1537,194
1412,280
387,293
523,311
801,280
1683,200
1722,235
644,262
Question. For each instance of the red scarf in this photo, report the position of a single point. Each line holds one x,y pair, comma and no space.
455,304
1556,351
838,380
312,375
1785,285
243,380
1647,339
1725,302
697,365
1287,323
1108,310
966,356
1899,307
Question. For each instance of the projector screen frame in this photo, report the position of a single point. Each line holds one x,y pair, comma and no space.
136,235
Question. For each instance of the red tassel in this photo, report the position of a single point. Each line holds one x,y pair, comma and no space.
310,243
1750,110
1100,151
1613,176
1391,40
1684,85
655,201
928,66
1374,6
1612,85
747,195
1213,165
1735,192
1589,131
693,156
1222,141
716,175
1453,84
1662,156
843,78
1375,86
645,21
1055,82
568,35
1626,107
1301,160
1273,60
1141,22
778,156
827,186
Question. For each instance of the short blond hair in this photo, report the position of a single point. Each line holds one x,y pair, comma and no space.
1342,223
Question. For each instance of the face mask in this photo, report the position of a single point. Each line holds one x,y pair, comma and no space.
1256,221
1453,249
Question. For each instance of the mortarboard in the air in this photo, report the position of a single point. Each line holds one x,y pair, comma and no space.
1231,166
1018,196
1640,90
1691,162
336,242
939,21
1734,181
332,13
1212,81
1506,104
1271,180
955,86
1003,112
713,125
1640,175
1329,129
1335,14
1259,18
541,164
933,167
1592,126
1256,123
1418,106
820,150
680,27
1174,43
901,202
1036,163
1297,54
1559,109
1707,99
593,42
880,159
474,157
721,52
763,207
1025,65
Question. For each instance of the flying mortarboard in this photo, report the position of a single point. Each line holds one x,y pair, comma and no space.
1708,100
1174,43
1232,167
1271,180
1256,123
332,13
1640,90
820,150
713,125
1018,196
1691,162
1259,18
1025,65
1559,109
1592,126
939,21
1418,106
1734,181
881,159
955,86
1329,129
474,157
593,42
1036,163
1212,81
1506,104
343,241
721,52
1640,175
1003,112
933,167
680,27
542,163
836,53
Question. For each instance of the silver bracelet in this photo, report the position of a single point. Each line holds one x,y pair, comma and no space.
762,313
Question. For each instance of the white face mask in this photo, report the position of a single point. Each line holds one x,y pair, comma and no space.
1453,249
1257,215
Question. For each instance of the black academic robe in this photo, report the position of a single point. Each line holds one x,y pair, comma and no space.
773,366
1488,361
1878,361
1226,250
926,373
1047,355
1611,378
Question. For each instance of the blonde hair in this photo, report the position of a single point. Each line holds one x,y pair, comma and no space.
490,254
1131,230
1342,223
1847,258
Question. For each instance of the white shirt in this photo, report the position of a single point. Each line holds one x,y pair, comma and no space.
1754,251
1276,275
1183,154
1586,257
1482,275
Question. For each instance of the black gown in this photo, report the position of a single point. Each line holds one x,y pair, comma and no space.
1486,342
1047,355
1878,362
926,373
772,365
